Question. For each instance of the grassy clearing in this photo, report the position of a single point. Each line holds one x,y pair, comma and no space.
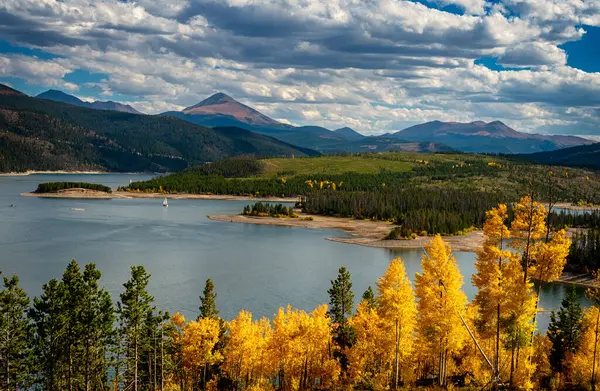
333,165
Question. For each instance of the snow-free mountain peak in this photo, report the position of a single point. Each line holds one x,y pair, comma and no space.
349,133
223,105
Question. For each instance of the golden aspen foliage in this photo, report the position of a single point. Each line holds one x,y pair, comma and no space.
368,356
490,264
529,220
528,226
439,300
178,320
550,257
542,347
519,310
300,347
246,358
397,310
582,362
197,346
469,357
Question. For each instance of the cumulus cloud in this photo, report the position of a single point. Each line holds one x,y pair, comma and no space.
375,65
533,54
36,71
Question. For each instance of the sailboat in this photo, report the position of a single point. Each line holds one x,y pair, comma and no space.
165,203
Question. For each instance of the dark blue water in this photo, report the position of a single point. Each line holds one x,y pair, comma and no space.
254,267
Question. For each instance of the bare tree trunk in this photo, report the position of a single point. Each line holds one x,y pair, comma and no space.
512,367
155,375
162,357
135,363
595,350
397,358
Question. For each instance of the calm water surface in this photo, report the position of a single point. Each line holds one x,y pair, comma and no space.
254,267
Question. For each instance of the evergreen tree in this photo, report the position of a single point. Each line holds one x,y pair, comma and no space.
368,298
564,330
133,309
341,298
341,304
72,284
49,322
208,301
97,318
15,337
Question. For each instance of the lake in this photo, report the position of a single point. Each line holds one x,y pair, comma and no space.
254,267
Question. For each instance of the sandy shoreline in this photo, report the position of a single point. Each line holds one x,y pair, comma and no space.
371,233
364,232
30,172
89,194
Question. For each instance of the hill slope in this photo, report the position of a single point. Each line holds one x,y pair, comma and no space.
492,137
580,156
39,134
59,96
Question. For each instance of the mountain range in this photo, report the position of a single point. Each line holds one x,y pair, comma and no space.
59,96
493,137
587,156
221,110
42,134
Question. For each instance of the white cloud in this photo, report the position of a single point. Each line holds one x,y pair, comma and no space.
375,65
36,71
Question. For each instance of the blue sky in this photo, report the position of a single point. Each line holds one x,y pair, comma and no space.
376,66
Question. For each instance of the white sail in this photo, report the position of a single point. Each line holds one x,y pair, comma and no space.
165,203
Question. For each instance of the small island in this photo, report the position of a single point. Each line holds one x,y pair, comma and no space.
72,190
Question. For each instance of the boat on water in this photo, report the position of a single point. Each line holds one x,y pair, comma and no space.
165,203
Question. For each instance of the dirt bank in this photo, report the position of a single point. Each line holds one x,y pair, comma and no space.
364,232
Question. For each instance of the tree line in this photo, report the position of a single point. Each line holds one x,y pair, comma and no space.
267,209
584,255
72,337
53,187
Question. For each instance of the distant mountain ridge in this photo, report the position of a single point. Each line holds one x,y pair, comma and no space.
491,137
59,96
587,156
478,136
43,134
222,111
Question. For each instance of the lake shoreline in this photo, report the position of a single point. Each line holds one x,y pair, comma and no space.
364,232
59,172
371,233
178,196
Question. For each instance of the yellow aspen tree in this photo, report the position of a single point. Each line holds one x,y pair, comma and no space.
197,346
528,226
542,347
518,313
439,300
245,355
300,348
489,264
397,310
593,293
584,363
368,368
549,260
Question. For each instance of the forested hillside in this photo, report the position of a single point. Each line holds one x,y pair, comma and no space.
435,193
38,134
581,156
